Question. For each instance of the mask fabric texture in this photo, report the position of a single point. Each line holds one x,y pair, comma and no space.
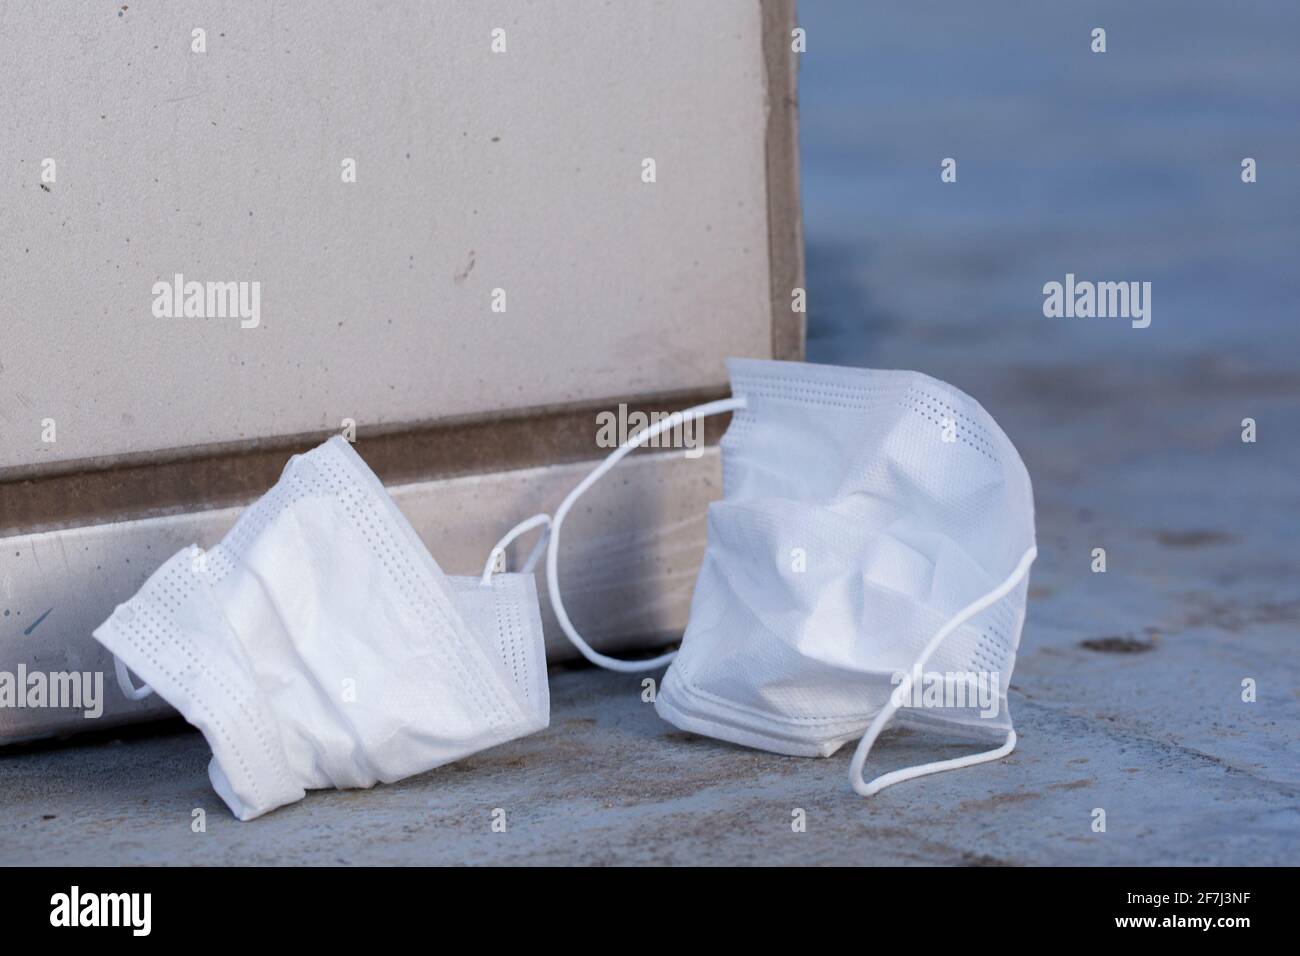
319,644
873,524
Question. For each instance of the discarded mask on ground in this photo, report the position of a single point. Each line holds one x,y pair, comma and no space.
876,529
320,645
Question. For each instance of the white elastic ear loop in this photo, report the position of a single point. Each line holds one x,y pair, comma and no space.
124,682
528,524
867,788
553,551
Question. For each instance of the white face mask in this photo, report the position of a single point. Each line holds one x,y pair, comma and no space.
870,554
320,645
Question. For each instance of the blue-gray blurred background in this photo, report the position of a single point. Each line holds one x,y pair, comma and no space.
1123,165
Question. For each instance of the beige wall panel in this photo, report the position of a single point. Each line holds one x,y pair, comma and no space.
475,170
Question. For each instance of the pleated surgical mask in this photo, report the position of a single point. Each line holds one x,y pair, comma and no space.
872,544
320,645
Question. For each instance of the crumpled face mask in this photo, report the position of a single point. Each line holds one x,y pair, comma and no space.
320,645
868,561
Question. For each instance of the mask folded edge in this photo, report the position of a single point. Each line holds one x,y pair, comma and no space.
212,697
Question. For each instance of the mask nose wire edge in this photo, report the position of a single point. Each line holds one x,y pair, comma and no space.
868,788
553,550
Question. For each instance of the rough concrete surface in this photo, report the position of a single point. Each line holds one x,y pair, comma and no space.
1126,697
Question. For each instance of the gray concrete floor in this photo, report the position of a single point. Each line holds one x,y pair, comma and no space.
1127,691
1126,696
1155,737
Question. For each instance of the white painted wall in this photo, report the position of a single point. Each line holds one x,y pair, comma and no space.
475,171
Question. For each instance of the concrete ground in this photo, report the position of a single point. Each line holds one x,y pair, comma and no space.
1149,729
1127,694
1126,697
